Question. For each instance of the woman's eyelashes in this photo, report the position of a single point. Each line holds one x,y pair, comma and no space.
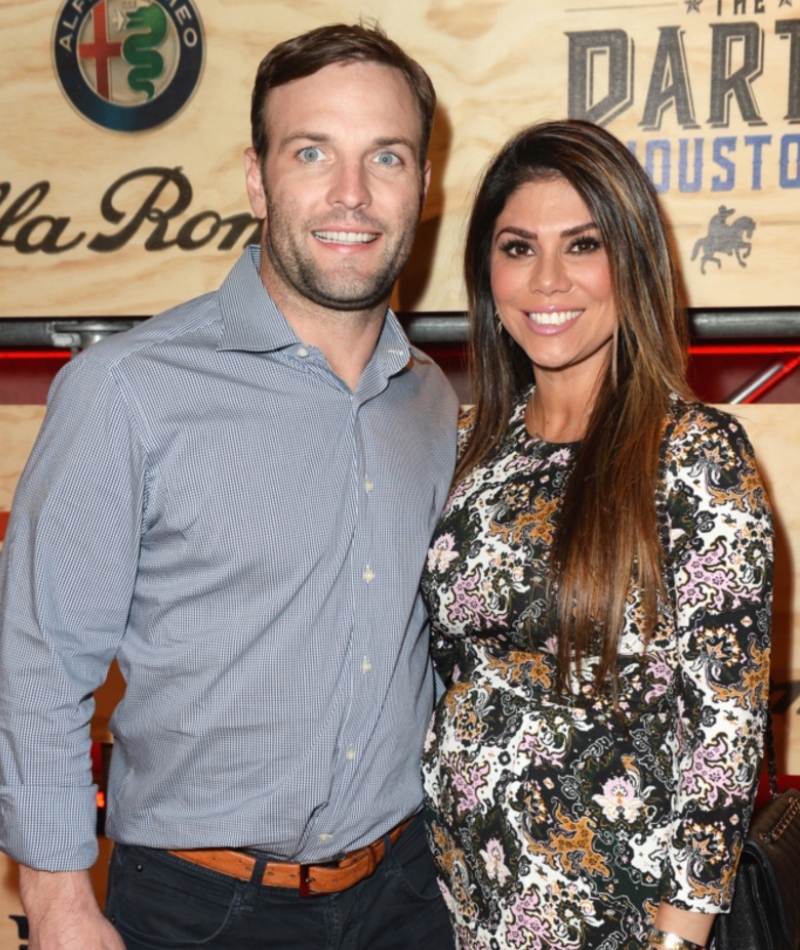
585,244
515,247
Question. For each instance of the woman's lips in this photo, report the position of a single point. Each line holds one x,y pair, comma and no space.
552,318
551,322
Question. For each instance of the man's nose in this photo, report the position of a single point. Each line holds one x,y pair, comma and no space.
350,186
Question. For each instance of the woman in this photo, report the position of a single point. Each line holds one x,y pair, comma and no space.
599,583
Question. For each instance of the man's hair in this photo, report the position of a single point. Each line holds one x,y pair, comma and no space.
338,43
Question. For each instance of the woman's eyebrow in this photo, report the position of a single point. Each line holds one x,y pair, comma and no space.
532,236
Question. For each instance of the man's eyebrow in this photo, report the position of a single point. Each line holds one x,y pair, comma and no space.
390,141
387,141
305,136
531,235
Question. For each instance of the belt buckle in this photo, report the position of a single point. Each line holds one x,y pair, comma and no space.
305,883
305,888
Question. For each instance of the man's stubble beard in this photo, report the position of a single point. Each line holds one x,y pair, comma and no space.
295,266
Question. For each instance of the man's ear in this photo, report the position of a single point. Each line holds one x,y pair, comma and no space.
426,179
255,183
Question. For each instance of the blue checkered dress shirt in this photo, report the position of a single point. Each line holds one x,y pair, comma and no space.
208,502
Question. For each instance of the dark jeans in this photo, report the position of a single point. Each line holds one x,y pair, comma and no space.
160,902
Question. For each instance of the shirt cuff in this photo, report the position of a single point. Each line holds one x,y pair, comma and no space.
50,829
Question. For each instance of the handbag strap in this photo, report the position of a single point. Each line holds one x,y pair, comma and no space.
769,748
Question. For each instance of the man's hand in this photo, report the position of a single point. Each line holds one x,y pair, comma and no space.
63,913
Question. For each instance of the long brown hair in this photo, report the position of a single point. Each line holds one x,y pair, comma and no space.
607,531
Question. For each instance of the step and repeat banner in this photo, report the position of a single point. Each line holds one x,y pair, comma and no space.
122,190
775,433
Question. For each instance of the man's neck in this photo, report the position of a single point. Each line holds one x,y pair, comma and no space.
346,338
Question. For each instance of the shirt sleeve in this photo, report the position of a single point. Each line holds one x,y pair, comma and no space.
67,572
720,566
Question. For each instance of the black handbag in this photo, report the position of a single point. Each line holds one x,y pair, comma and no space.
765,913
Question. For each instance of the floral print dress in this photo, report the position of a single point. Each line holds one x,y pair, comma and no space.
562,821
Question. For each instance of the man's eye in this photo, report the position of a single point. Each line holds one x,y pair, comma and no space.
387,158
311,154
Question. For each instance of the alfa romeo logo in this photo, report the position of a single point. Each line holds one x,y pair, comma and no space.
128,65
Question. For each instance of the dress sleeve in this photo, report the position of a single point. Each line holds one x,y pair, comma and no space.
466,419
443,649
719,569
66,579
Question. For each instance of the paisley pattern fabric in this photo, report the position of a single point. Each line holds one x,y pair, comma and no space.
561,821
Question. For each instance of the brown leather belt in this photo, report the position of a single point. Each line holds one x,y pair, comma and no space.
307,879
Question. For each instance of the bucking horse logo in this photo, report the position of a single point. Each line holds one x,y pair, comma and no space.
724,238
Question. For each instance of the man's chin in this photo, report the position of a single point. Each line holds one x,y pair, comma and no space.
349,297
344,288
352,304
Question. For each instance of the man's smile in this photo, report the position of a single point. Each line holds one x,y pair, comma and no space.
345,237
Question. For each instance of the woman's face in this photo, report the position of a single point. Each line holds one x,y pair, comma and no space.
551,279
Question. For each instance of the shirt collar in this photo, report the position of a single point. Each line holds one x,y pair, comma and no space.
252,321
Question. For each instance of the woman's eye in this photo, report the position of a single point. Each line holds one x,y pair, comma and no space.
515,248
387,158
586,245
311,154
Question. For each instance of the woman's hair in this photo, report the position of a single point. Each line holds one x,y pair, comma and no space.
607,531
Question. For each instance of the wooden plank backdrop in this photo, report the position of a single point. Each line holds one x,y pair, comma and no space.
775,433
707,93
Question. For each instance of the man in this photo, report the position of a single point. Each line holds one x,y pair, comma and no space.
235,500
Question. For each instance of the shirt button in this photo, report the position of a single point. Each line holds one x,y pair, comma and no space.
366,666
324,836
351,754
369,575
368,486
302,352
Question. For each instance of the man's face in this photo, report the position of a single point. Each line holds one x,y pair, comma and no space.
341,188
